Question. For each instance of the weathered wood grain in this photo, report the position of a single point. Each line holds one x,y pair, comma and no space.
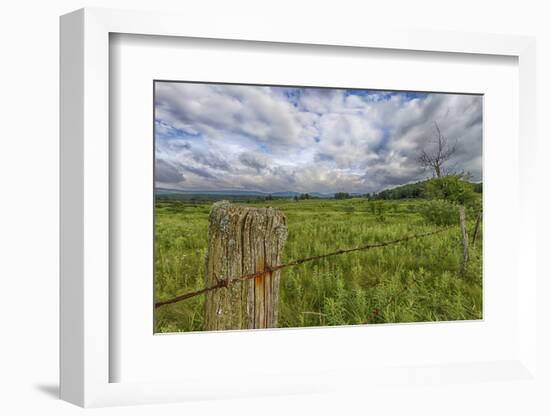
243,240
464,233
476,228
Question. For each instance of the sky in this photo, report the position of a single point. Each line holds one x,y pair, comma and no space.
283,139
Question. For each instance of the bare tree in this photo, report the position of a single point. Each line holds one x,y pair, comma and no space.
435,158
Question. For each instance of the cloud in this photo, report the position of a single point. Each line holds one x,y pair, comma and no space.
254,161
203,173
306,139
167,173
257,113
211,159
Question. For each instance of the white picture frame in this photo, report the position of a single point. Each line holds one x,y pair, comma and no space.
85,211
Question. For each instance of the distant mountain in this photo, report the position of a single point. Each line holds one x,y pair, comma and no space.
186,194
165,191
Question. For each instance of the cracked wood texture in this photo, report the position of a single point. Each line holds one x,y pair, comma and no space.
464,233
242,241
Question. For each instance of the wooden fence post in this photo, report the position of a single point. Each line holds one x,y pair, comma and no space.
241,241
476,228
464,232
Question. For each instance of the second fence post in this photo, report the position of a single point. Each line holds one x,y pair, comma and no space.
241,241
464,233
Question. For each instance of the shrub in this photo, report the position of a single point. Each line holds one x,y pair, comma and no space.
451,188
439,212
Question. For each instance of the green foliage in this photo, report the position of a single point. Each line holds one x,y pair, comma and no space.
377,207
413,190
349,209
439,212
446,194
425,189
478,187
342,195
414,281
451,188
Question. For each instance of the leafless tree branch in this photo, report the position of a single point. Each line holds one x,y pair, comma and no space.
436,157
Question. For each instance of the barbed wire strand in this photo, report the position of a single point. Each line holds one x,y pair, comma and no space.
221,283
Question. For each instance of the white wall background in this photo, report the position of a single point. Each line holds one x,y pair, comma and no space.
29,56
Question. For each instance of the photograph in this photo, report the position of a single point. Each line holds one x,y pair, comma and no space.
284,206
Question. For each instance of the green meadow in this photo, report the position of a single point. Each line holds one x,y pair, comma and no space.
414,281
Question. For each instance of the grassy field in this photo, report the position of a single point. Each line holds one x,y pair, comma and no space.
414,281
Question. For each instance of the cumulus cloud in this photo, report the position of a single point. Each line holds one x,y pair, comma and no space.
257,162
167,173
272,139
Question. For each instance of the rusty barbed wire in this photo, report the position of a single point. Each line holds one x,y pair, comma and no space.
224,283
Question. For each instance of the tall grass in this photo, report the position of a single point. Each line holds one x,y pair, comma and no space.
414,281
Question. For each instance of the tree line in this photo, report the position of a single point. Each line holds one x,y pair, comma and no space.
417,190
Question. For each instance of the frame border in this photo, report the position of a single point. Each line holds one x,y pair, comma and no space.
84,179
